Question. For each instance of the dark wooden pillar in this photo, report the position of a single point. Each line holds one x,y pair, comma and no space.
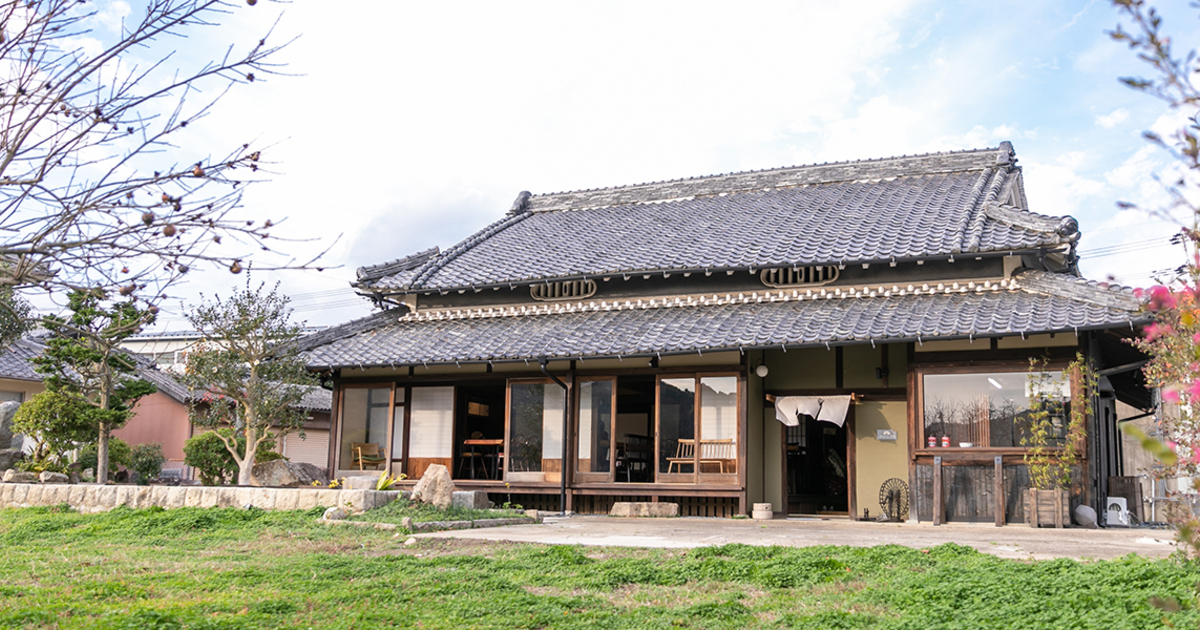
938,507
998,490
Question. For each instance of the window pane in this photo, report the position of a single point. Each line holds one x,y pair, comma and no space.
431,423
985,409
676,425
595,425
398,435
364,422
718,424
525,440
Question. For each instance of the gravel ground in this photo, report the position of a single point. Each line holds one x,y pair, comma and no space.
1012,541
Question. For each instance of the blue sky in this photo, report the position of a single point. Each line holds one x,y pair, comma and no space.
409,125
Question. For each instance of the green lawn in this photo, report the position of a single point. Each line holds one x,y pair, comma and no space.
397,510
227,568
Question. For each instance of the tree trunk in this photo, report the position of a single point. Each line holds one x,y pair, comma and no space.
246,471
102,456
246,465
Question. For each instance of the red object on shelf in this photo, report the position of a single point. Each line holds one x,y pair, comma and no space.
932,441
945,441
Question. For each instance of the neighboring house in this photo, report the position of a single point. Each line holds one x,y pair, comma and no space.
168,349
162,417
689,317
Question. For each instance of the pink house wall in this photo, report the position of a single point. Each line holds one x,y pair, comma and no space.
159,418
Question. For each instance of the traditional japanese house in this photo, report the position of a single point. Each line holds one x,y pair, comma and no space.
645,342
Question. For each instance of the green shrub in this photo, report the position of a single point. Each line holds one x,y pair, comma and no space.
147,461
207,454
57,424
119,454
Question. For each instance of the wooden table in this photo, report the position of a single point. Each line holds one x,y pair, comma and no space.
494,447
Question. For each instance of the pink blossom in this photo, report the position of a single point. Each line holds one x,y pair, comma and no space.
1194,390
1170,395
1160,298
1196,338
1154,331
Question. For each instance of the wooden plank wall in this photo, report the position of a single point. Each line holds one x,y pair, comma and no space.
969,493
723,507
545,502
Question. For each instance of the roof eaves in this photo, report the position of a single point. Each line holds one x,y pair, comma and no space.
532,280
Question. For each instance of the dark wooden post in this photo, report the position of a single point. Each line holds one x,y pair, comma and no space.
998,490
937,490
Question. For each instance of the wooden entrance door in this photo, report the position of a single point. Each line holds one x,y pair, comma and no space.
817,468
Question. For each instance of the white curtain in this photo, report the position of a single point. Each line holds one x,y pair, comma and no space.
432,423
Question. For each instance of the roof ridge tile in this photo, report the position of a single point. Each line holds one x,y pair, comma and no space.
543,202
412,261
1076,288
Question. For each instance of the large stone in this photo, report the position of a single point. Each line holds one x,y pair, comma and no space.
472,500
660,510
435,487
53,477
360,482
7,411
18,476
282,473
9,457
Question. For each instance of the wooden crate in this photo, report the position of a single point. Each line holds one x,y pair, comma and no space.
1053,508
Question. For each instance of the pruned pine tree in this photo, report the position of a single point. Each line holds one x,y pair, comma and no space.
249,368
100,183
84,362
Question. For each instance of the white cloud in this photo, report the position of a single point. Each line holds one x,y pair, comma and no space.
1112,119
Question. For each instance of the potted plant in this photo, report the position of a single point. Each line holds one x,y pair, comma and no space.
1060,404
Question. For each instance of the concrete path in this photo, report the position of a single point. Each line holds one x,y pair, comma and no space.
1012,541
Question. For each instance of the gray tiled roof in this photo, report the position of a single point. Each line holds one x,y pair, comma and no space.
1037,302
14,360
15,364
901,208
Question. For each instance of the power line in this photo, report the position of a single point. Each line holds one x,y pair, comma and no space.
1123,248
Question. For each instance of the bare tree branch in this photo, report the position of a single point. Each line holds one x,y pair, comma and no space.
94,189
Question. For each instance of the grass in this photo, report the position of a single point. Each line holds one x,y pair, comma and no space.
419,512
228,568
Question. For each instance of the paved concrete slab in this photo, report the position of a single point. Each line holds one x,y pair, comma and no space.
1012,541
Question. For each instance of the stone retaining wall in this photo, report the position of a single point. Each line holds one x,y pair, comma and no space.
95,498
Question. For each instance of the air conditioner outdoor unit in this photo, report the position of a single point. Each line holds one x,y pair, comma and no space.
1117,512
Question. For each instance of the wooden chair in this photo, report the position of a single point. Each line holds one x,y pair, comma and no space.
367,454
634,453
468,457
685,453
719,452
